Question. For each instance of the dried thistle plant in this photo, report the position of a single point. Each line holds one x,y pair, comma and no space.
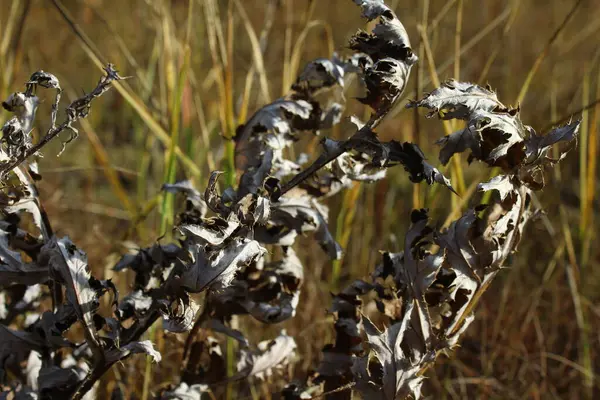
425,295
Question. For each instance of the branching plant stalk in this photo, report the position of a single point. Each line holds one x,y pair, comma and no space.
426,294
97,372
76,110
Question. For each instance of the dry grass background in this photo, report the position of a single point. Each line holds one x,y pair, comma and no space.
536,331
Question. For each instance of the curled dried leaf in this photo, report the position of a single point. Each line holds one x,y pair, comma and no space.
269,356
458,100
217,268
179,316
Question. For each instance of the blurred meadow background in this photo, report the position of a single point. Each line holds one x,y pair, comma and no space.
199,68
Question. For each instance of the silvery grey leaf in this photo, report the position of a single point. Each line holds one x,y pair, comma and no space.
16,346
501,183
56,382
296,391
183,391
27,302
44,79
126,261
452,339
303,214
186,187
28,205
458,100
218,326
432,174
538,146
462,259
10,260
333,363
211,234
3,308
18,393
31,204
273,126
400,374
24,107
153,265
320,73
212,197
144,347
346,308
262,210
114,330
458,142
136,303
280,117
356,169
270,355
410,156
30,319
48,81
252,210
322,234
32,370
491,136
54,324
181,316
389,27
69,266
385,82
16,139
286,277
489,124
505,228
12,268
331,116
254,177
217,269
274,312
34,170
414,269
365,382
372,9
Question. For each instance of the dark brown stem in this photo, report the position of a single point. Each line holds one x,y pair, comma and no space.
51,134
96,373
320,162
76,110
328,157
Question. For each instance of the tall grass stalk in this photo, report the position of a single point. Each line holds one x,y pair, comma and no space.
583,161
296,56
591,179
167,206
258,64
456,168
141,137
231,122
129,95
531,74
465,49
226,82
574,280
344,223
542,56
167,210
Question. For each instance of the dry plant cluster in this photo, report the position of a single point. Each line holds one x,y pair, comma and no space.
235,247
